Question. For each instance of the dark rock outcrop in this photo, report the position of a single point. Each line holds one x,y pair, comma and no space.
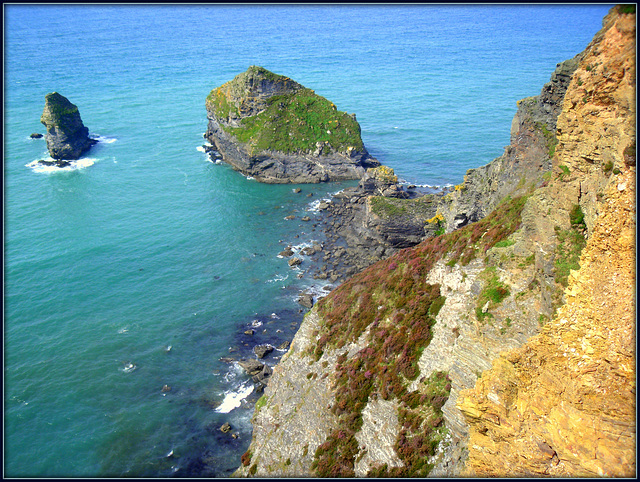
271,128
252,367
306,300
381,216
262,350
67,137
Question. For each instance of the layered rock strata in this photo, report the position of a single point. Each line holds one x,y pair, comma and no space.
273,129
359,391
564,403
67,138
380,216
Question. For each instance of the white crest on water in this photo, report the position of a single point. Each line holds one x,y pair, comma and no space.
81,163
103,139
233,399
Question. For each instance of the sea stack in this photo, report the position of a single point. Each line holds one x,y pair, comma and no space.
273,129
67,137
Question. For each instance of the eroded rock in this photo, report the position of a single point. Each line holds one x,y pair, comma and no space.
67,137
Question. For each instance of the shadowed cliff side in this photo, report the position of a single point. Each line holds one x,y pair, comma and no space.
372,382
564,403
67,137
270,127
381,216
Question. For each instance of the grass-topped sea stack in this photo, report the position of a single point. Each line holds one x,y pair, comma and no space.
271,128
67,137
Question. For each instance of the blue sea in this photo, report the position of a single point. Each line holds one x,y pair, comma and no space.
143,264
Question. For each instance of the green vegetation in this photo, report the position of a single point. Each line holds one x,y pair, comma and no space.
529,260
296,123
466,243
392,299
505,243
387,207
383,173
494,292
551,139
627,8
438,220
608,166
59,106
292,122
576,216
570,244
565,172
261,402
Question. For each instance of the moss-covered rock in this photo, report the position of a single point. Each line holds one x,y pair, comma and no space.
271,128
67,137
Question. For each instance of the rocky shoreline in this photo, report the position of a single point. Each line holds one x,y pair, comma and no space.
363,224
329,256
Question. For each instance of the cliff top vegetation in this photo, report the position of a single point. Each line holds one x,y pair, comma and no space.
271,112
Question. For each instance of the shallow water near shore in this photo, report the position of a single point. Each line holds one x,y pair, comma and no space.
144,263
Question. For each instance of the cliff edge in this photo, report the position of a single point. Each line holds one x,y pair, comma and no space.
380,378
273,129
564,403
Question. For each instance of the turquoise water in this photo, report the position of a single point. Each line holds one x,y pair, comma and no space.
149,245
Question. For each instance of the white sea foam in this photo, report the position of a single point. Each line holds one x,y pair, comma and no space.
314,205
103,139
73,165
200,148
429,186
317,290
233,399
278,278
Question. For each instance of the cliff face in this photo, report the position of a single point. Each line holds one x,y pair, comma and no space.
67,137
564,403
380,377
271,128
525,160
380,216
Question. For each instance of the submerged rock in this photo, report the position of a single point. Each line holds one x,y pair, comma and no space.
67,137
270,127
59,163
